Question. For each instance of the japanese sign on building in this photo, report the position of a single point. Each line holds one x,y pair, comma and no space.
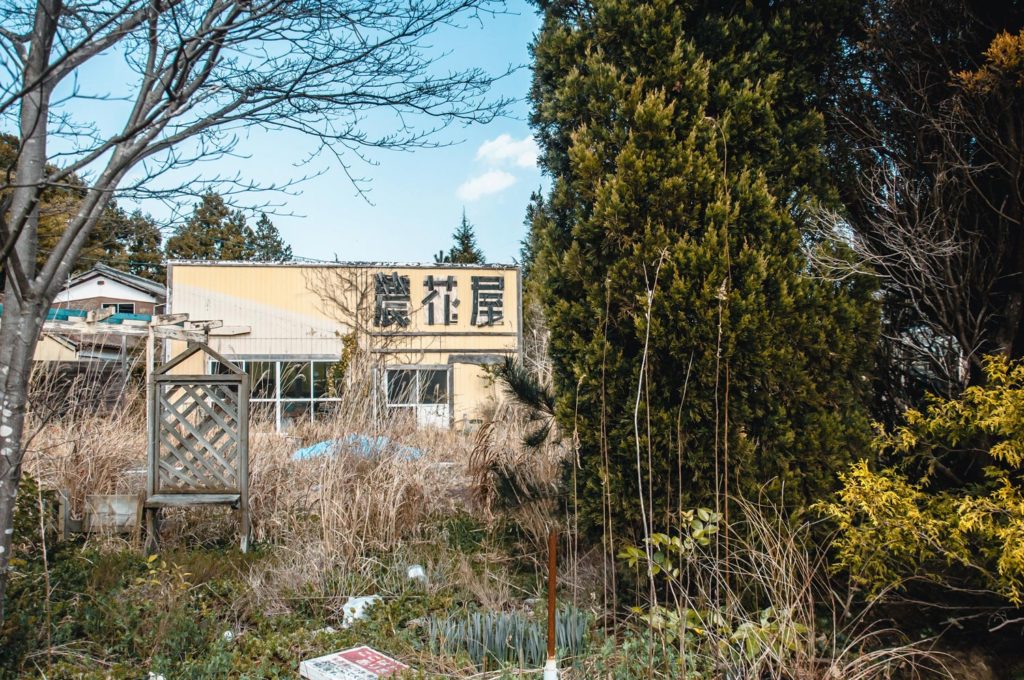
392,300
440,300
488,300
358,663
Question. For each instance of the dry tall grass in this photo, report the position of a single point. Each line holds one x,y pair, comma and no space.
345,524
757,610
352,501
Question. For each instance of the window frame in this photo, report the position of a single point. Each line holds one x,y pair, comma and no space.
116,306
417,390
312,402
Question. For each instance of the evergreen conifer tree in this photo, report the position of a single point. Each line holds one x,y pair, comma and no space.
213,232
130,242
465,250
139,238
267,245
693,351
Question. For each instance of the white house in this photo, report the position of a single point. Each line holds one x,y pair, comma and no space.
104,286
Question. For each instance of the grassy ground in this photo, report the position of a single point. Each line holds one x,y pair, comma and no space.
209,611
351,524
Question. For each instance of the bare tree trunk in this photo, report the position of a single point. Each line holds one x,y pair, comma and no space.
18,334
190,89
24,310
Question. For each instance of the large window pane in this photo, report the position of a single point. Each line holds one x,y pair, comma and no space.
401,385
295,382
262,379
295,411
434,386
320,369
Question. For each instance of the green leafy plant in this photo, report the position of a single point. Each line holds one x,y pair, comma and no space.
949,508
697,527
499,639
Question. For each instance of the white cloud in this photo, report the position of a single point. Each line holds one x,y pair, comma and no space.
521,152
491,182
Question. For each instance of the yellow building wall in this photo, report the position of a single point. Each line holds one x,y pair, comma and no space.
305,311
474,392
49,349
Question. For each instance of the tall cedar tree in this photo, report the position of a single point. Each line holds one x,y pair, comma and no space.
140,238
213,232
267,244
127,241
464,249
685,149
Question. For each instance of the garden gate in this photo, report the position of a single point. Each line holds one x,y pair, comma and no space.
198,450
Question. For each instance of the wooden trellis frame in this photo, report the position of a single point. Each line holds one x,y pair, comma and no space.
198,451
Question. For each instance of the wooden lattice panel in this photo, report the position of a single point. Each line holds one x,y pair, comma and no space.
198,437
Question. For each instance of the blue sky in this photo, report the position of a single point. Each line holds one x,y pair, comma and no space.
416,198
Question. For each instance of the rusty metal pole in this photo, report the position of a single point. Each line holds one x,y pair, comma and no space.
551,667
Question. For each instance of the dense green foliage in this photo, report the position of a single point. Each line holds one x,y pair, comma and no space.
686,153
127,241
916,518
216,232
464,249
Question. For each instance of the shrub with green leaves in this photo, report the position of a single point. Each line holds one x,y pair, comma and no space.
948,507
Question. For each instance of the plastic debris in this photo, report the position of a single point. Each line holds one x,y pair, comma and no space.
355,608
416,572
360,445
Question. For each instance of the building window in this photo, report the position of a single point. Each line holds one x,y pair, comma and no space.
120,307
287,392
418,392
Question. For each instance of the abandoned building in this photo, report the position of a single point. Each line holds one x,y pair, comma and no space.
128,298
425,333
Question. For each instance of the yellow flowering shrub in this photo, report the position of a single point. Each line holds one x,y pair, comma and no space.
923,517
1004,64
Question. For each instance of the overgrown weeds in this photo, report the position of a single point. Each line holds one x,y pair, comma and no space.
761,604
473,511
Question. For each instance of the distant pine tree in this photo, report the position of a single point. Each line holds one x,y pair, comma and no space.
267,244
127,241
200,237
216,232
140,240
465,250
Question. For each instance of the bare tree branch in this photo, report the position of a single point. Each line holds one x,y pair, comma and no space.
205,71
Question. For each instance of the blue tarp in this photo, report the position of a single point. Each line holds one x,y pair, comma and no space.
360,445
69,314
